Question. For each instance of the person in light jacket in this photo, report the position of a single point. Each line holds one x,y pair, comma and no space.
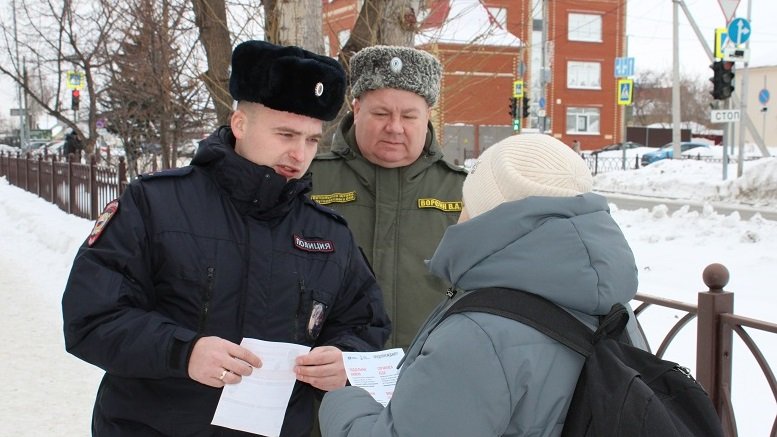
529,222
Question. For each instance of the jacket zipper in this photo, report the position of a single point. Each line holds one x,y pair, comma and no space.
300,311
208,294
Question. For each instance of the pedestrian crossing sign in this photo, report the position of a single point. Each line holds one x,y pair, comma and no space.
625,92
517,89
75,80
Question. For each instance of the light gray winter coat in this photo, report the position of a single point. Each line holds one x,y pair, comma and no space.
478,374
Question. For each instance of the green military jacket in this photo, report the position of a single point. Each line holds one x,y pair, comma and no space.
398,215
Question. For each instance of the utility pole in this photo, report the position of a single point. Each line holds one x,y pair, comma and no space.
22,106
743,103
676,115
541,121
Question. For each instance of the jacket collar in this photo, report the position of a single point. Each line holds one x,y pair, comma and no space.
255,190
345,146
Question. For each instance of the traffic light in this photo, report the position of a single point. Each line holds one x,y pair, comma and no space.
722,79
727,79
513,108
75,100
525,106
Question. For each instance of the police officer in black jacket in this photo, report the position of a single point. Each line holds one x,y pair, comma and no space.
190,261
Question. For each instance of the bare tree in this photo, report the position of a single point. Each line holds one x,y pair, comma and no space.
151,99
62,37
211,20
653,99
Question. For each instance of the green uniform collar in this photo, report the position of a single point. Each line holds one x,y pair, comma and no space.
345,146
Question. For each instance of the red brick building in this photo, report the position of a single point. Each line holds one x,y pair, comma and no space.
486,45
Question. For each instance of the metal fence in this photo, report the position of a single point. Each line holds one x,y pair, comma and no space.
603,164
81,189
715,325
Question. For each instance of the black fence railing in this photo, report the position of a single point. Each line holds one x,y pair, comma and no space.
603,164
81,189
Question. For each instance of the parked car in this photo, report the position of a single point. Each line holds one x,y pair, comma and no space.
618,146
55,147
34,146
667,150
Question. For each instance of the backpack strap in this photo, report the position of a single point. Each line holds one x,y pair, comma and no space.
542,315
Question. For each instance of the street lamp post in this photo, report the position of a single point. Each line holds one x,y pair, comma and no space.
22,106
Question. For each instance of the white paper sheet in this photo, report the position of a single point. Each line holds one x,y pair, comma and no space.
375,372
258,403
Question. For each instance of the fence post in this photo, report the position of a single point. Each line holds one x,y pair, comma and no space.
27,171
714,340
71,195
93,186
53,182
38,176
122,176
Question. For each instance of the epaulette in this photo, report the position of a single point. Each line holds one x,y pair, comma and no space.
328,211
171,172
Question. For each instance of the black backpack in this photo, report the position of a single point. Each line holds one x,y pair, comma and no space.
622,390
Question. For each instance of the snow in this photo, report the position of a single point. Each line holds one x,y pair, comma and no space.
469,22
50,392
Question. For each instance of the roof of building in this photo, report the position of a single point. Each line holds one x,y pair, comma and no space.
464,22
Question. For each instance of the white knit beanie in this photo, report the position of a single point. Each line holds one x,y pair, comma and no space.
521,166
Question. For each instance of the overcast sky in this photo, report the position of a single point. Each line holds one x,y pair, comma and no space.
649,28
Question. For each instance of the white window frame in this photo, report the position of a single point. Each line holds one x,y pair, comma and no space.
584,27
583,120
584,75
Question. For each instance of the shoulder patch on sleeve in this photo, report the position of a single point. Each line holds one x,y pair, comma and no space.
328,211
102,221
173,172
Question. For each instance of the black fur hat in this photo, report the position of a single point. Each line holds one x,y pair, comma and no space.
287,79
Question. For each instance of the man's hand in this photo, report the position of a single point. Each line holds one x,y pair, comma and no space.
216,362
322,368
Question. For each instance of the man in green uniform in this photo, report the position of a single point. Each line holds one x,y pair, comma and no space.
386,175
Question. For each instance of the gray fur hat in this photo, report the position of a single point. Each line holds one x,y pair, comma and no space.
403,68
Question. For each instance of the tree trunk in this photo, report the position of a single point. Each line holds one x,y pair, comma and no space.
295,23
211,19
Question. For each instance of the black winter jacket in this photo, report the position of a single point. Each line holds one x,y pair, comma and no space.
223,248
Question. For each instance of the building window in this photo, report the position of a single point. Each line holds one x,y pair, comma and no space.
585,27
582,120
584,75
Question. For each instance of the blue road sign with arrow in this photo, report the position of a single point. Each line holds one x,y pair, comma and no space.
763,96
739,31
